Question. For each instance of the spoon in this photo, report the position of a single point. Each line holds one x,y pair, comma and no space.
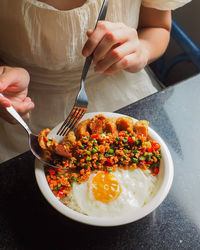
33,139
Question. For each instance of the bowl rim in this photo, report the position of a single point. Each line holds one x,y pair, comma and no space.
105,222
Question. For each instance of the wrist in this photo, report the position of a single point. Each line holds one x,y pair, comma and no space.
145,51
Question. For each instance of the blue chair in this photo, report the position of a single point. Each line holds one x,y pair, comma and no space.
191,52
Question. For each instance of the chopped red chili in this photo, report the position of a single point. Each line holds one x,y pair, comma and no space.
130,139
51,171
109,161
156,146
94,136
60,193
156,171
150,149
122,134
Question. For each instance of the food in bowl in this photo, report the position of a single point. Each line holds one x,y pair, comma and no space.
106,167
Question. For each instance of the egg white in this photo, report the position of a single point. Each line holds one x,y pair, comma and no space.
137,188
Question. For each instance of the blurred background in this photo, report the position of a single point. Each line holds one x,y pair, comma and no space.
188,19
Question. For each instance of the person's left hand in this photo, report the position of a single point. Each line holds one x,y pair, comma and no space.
115,47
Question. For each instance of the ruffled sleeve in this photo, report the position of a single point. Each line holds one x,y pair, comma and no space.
164,4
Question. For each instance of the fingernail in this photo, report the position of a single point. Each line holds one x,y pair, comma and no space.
6,104
85,53
30,105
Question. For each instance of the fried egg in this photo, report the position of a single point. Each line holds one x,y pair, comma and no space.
112,194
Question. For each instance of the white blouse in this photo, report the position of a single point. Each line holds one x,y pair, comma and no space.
48,43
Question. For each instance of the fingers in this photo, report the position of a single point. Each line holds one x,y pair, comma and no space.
13,79
109,41
120,65
115,55
105,36
132,63
22,108
5,102
89,32
95,37
14,86
115,46
113,39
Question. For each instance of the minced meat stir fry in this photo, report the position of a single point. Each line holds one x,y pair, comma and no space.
99,144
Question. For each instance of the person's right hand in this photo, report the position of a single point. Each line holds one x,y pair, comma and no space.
14,87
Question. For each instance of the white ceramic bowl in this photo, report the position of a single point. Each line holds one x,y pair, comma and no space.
165,177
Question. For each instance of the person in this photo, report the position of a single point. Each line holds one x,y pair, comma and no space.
43,46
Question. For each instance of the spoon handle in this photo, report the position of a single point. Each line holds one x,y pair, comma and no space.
17,117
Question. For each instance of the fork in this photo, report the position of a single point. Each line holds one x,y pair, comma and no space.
81,102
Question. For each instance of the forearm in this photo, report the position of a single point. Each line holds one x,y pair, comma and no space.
154,31
154,41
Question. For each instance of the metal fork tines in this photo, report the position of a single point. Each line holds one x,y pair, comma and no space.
74,117
80,105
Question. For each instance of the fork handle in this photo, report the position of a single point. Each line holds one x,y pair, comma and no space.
103,11
102,15
17,117
86,67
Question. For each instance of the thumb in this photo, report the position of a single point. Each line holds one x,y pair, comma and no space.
5,102
13,79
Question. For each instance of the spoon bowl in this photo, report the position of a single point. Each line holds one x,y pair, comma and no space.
37,151
33,139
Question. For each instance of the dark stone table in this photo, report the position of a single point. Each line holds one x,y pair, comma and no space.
28,222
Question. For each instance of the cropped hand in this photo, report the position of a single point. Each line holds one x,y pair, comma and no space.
115,47
14,87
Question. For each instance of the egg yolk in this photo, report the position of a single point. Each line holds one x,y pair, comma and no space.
105,187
